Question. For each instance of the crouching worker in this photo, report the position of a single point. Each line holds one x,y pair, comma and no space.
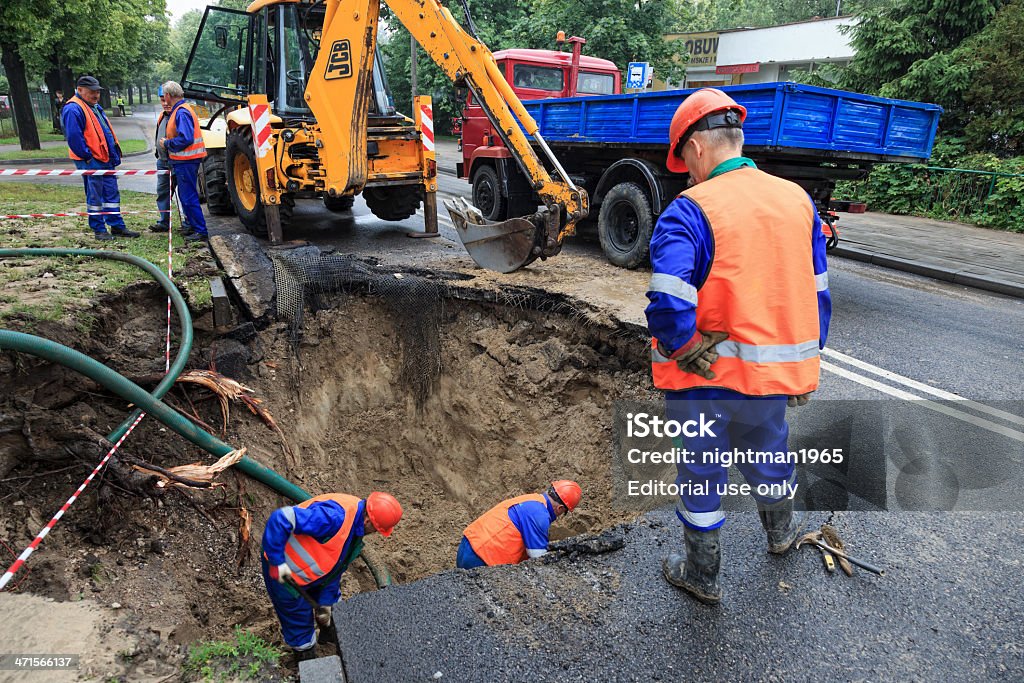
307,547
517,528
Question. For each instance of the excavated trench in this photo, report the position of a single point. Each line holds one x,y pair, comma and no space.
450,404
489,402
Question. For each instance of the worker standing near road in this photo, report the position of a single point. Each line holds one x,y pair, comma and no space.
164,181
517,529
306,549
93,145
739,308
185,149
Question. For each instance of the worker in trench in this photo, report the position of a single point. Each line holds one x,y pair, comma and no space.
517,529
739,308
306,549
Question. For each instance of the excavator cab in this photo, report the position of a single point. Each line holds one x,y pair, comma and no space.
270,51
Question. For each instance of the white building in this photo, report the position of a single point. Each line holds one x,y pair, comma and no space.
762,55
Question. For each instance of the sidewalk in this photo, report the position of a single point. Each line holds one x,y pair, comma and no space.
954,252
135,127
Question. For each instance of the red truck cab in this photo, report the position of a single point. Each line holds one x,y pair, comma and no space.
533,75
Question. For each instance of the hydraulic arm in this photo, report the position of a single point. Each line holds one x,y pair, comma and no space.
341,82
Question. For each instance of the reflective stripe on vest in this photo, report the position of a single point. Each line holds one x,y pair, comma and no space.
761,288
310,559
495,538
95,140
195,151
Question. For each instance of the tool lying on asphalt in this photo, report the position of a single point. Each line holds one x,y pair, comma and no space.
831,536
817,539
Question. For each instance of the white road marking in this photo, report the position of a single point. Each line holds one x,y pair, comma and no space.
925,403
924,388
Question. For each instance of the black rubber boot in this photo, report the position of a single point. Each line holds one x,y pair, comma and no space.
305,655
781,523
697,572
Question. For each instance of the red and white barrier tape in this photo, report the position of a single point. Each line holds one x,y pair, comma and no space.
19,563
73,214
75,171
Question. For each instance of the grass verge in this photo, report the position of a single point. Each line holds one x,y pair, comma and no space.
127,147
44,136
55,289
247,657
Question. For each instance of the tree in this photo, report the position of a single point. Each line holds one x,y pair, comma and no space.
926,50
494,20
619,30
18,19
994,98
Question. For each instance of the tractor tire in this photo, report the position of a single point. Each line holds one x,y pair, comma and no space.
487,196
393,203
243,184
625,224
215,184
339,204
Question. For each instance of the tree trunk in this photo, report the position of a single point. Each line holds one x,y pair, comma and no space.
52,79
67,81
28,134
149,99
131,89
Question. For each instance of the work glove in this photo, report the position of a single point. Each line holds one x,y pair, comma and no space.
801,400
281,573
323,616
698,359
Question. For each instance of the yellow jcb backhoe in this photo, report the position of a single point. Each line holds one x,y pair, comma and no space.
308,114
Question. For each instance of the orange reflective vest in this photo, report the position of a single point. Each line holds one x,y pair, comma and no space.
195,151
761,288
95,140
495,539
310,559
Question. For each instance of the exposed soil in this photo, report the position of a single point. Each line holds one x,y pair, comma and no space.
521,397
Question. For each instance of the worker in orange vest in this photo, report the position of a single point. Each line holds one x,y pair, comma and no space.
739,308
186,150
306,549
517,528
92,144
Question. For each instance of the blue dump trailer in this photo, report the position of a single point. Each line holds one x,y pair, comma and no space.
615,146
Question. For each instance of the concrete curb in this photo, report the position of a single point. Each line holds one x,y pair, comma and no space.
956,276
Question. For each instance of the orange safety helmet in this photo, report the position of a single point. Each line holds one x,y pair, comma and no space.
692,110
384,511
569,492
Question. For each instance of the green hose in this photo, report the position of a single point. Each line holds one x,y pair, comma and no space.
180,307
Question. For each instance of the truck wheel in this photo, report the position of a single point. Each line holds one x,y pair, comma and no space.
339,204
487,194
215,184
393,203
625,225
244,187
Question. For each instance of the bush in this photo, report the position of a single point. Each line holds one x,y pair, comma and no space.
947,195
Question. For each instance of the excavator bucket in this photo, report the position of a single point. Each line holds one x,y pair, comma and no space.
504,247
